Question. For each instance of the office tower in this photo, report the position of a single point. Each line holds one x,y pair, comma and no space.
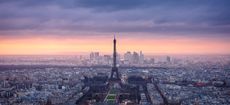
168,59
135,58
128,57
94,55
141,58
107,59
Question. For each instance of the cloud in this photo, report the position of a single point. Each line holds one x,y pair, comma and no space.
181,17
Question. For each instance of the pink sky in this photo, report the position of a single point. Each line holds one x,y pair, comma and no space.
75,45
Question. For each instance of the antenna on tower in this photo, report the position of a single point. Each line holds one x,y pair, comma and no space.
114,35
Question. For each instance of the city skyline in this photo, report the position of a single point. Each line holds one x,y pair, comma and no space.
54,80
114,52
79,46
71,27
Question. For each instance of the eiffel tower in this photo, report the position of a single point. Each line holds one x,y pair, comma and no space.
114,72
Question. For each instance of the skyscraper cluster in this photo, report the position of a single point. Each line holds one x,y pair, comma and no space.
94,55
133,58
128,59
96,59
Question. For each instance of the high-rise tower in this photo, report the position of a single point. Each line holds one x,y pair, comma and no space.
114,73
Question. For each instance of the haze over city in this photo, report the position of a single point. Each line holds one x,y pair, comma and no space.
114,52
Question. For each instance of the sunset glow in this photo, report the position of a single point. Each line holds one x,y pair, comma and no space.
80,45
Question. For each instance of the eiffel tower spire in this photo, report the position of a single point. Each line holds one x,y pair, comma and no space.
114,52
114,68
